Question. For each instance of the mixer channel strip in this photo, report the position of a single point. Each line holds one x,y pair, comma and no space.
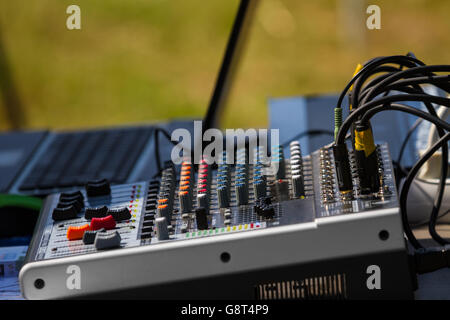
191,201
115,215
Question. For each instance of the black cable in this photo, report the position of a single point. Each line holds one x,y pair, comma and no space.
394,98
398,75
439,195
438,199
441,188
409,81
398,86
405,142
444,170
354,93
372,71
437,121
378,106
431,259
406,185
313,132
375,81
399,59
390,71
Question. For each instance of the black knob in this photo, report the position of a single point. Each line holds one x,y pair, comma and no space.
98,188
99,212
264,208
185,202
241,194
202,218
70,196
89,235
298,186
77,204
120,214
66,213
107,240
222,195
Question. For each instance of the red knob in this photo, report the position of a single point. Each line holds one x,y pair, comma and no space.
107,222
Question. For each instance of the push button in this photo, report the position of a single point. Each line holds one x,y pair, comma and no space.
98,188
107,222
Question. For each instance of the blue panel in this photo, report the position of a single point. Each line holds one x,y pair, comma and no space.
293,109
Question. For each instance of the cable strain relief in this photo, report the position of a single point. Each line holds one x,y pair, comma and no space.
337,121
431,259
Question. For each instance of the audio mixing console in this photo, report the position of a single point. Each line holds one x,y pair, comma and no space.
224,231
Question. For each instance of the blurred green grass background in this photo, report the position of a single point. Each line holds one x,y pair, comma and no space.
150,60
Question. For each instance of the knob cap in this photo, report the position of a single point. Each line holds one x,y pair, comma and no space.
241,194
107,240
98,188
298,186
222,195
185,202
202,218
161,228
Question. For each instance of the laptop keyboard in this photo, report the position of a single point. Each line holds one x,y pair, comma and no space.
74,158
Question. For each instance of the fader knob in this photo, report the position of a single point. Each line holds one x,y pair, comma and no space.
120,214
70,196
66,213
107,223
259,189
107,240
202,201
222,195
98,212
241,194
98,188
76,203
89,236
185,202
161,228
76,233
202,218
163,211
298,186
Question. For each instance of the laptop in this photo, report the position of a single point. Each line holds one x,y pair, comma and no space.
42,162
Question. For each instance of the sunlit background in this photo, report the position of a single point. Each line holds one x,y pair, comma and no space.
140,61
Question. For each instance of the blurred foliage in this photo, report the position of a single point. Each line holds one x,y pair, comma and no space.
149,60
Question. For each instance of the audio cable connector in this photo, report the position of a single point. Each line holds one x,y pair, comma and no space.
343,172
366,159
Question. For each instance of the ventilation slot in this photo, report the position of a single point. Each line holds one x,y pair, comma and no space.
323,287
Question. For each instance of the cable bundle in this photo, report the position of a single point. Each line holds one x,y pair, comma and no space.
368,93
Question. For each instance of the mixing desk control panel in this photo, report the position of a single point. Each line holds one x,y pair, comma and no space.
206,204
